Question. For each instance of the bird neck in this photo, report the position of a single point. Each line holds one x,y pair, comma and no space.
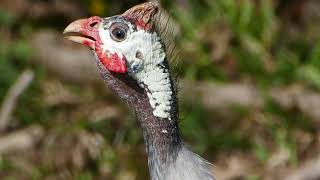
157,114
152,95
168,158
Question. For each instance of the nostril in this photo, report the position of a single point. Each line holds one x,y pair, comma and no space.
94,21
94,24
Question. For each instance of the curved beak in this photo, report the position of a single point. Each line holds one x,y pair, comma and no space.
84,31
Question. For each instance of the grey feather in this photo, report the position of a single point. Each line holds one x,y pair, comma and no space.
185,166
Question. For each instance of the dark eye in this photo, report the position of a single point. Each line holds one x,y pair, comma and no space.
118,32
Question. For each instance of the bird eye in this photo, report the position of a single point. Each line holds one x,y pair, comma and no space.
118,32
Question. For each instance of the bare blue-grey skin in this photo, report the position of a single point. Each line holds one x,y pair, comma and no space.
168,156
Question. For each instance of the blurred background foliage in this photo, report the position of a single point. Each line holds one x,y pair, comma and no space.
257,59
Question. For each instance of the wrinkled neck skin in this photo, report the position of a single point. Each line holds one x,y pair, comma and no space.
148,88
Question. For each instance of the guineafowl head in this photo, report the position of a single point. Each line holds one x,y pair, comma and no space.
123,43
129,44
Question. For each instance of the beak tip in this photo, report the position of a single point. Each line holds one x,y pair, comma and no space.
73,27
69,29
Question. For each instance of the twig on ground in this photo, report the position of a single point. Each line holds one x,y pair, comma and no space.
21,140
11,98
217,96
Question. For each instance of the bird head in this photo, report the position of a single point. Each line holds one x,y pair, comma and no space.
130,44
122,43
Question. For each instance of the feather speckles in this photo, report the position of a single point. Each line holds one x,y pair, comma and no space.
164,131
157,84
154,76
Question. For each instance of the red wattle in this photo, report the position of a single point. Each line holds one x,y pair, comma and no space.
112,61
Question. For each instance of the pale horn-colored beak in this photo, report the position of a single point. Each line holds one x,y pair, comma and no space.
84,31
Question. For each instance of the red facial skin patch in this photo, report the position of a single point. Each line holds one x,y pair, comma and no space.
112,61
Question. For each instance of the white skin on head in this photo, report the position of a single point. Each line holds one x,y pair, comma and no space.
144,53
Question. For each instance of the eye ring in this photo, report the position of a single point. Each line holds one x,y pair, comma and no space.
118,31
